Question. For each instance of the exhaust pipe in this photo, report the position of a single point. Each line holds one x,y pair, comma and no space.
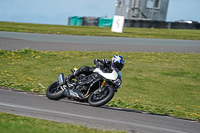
61,79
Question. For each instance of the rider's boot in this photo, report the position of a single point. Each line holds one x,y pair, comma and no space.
69,78
71,86
73,75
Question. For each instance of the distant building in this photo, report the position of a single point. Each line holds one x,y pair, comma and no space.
142,9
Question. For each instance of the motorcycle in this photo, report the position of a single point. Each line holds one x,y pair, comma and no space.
97,89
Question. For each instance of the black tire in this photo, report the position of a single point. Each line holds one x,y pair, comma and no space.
54,92
104,100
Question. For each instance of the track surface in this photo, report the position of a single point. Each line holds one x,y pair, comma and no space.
104,117
99,117
46,42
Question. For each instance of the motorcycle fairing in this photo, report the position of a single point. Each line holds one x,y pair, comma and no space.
111,76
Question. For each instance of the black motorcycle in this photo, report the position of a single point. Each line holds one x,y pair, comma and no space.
97,88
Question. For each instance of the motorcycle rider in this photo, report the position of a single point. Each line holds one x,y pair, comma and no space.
104,64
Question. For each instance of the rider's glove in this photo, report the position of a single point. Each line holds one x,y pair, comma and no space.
98,63
105,61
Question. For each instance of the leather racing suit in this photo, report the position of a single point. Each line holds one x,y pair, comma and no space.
103,64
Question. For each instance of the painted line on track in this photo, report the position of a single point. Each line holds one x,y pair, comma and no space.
90,117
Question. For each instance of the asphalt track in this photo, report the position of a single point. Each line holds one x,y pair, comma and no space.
47,42
106,118
103,117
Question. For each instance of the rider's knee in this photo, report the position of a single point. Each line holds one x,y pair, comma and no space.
84,68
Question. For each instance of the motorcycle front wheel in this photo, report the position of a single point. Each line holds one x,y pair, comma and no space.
98,99
54,92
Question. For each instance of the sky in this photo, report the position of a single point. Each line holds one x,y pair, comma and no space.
58,11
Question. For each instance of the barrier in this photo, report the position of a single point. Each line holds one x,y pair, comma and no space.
107,22
75,21
90,21
160,24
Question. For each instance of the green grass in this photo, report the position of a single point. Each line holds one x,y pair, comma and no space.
18,124
161,83
99,31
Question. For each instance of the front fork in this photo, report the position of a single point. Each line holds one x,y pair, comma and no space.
103,83
102,88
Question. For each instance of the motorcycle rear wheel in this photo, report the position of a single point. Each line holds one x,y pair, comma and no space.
54,92
98,100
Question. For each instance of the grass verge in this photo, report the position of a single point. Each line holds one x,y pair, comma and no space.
99,31
161,83
10,123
